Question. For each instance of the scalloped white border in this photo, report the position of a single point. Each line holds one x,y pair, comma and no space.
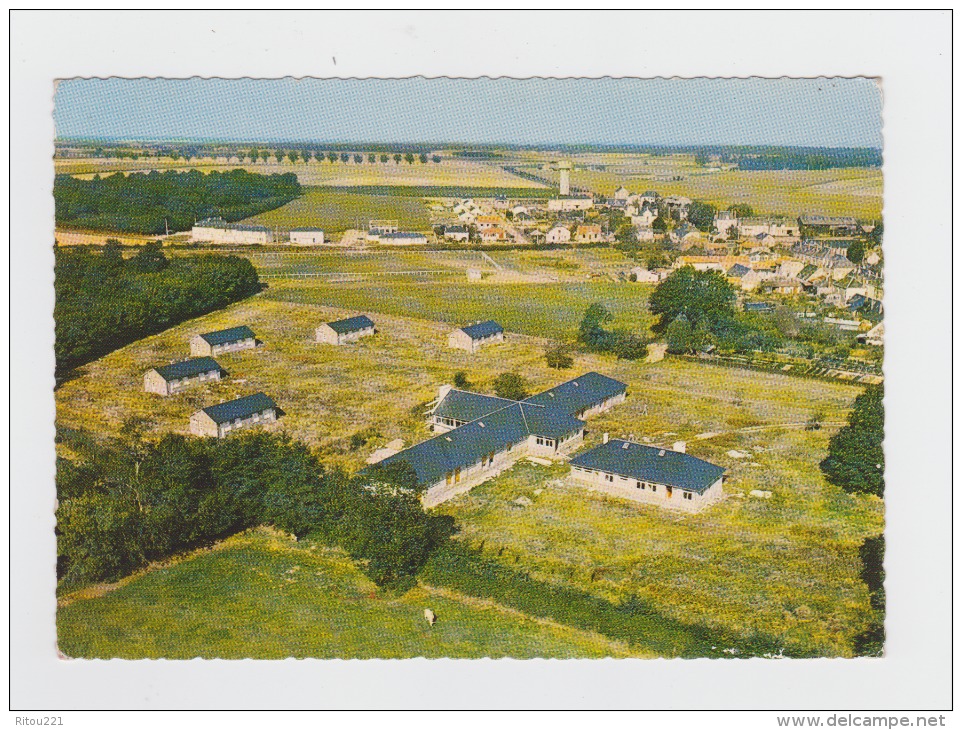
910,51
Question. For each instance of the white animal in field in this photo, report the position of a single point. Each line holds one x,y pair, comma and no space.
429,616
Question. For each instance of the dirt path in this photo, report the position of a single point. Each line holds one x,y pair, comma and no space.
756,429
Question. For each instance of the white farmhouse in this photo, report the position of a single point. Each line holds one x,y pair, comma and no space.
307,237
558,234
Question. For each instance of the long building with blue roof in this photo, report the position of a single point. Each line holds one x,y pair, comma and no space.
173,378
482,435
649,474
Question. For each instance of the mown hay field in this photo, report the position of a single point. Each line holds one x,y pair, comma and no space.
551,310
262,595
336,211
845,191
448,172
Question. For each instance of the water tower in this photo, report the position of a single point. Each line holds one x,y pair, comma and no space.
564,167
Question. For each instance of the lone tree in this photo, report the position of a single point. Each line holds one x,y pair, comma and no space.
511,386
461,381
397,158
856,461
409,158
702,296
384,158
559,358
150,259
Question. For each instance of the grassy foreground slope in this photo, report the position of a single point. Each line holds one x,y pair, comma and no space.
262,595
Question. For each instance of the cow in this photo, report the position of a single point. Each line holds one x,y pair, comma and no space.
429,616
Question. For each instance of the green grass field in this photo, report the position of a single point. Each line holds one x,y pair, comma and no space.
550,310
262,595
785,567
336,211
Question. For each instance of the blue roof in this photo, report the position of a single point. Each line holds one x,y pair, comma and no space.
229,335
187,368
239,408
463,405
468,444
482,329
738,270
580,393
352,324
650,464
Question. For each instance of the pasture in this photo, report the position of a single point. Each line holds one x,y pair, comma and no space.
336,211
785,567
264,596
551,310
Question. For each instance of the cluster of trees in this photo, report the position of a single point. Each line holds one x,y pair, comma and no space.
104,301
696,310
135,503
155,202
255,155
593,336
856,461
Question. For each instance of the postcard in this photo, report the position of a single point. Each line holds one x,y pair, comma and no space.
469,368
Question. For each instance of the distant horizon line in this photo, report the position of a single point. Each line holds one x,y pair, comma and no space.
449,143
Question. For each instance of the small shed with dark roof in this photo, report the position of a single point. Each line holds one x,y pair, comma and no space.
229,340
173,378
475,336
649,474
344,331
219,420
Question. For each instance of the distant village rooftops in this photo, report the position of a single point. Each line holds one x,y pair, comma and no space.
651,464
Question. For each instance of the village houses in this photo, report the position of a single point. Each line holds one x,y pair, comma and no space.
558,234
588,234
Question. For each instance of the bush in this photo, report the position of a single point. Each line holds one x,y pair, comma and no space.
511,386
856,461
461,381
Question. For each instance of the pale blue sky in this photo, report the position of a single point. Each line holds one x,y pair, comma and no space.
804,112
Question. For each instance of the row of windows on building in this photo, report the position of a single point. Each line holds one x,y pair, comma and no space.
641,485
239,422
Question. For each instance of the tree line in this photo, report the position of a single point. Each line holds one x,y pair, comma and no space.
104,301
155,202
124,505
